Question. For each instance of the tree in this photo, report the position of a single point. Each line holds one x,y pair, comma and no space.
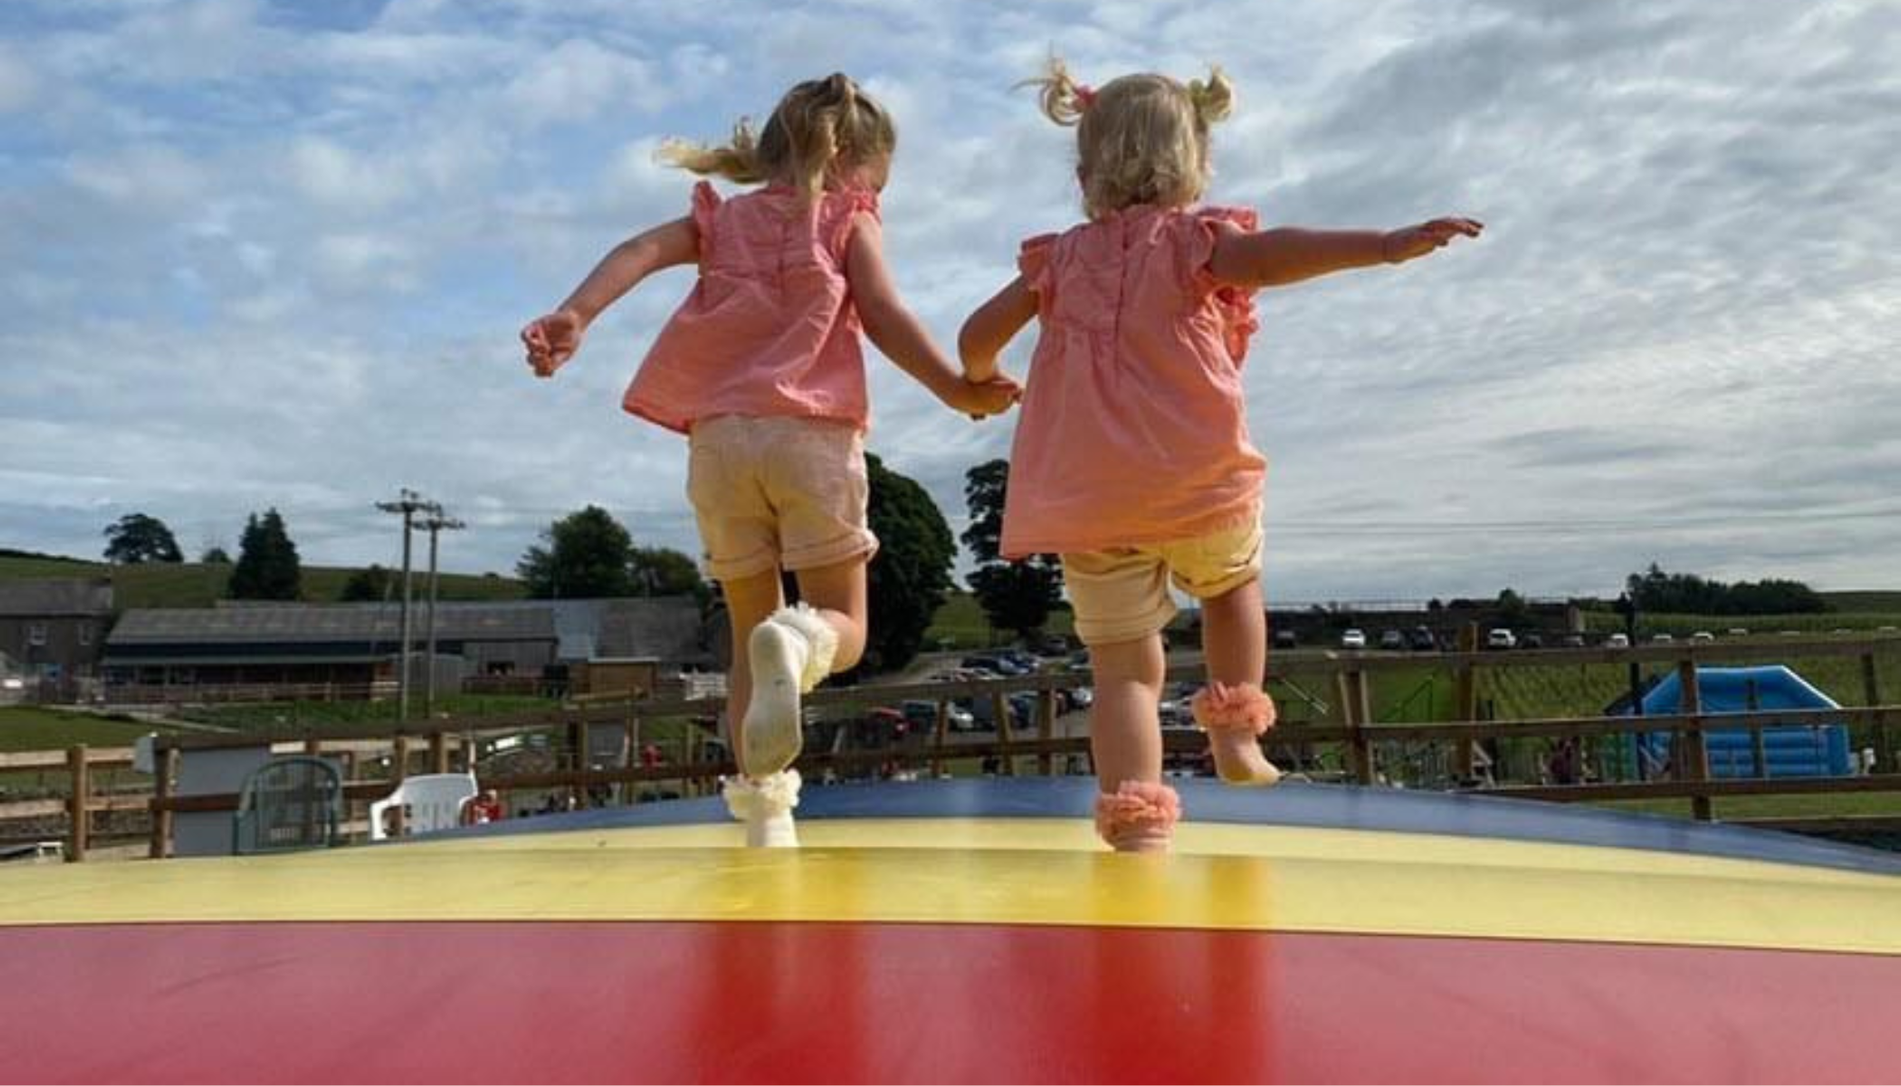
912,571
587,556
370,585
1686,593
1015,595
663,571
267,567
215,556
137,538
1511,605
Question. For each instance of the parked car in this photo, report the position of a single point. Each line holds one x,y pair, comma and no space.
982,716
1532,641
1286,639
1500,639
1617,641
1573,641
923,714
1075,698
1702,635
1353,639
994,665
1018,657
1421,640
1661,639
1736,631
1392,640
1022,709
1175,713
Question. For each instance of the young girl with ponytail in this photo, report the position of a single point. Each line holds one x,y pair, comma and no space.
761,369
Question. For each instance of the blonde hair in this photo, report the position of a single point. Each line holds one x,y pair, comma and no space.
819,124
1140,139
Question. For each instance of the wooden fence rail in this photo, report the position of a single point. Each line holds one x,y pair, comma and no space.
1335,684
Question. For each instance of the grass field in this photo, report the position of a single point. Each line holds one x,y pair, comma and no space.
191,584
1864,601
1861,621
25,727
323,714
960,624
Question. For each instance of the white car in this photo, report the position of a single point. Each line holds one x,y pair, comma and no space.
1617,641
1353,639
1702,635
1500,639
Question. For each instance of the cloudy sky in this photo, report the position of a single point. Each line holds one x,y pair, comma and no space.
272,253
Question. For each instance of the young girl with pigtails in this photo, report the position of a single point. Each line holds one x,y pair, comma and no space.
1132,458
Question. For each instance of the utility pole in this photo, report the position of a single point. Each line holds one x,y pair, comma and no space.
409,504
436,522
1627,606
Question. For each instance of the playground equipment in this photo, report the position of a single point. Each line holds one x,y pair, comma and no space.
1791,750
974,930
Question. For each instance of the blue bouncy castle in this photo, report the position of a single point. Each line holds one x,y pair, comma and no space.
1788,750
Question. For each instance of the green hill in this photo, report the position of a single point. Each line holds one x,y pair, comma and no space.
191,584
1854,602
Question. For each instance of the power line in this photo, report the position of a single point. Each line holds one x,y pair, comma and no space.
435,523
409,503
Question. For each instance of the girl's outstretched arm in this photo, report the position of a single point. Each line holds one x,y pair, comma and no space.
1277,257
895,331
552,340
992,327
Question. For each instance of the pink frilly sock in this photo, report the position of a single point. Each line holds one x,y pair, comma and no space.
1235,718
1139,816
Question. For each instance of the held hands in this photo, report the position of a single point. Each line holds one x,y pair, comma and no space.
552,340
980,399
1411,242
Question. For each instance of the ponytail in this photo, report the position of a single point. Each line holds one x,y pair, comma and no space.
818,124
736,161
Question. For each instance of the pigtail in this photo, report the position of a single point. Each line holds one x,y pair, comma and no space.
1213,100
1062,98
737,161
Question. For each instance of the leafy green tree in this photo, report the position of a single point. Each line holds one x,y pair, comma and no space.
137,538
912,571
215,556
370,585
1018,595
586,556
663,571
1511,605
1685,593
267,566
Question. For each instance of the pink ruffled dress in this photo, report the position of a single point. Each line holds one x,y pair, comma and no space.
769,330
1133,426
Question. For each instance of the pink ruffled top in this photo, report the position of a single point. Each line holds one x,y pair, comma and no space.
1133,428
769,329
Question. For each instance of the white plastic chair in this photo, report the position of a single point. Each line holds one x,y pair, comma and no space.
432,801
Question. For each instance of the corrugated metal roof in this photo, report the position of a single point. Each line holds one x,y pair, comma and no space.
316,623
57,596
666,628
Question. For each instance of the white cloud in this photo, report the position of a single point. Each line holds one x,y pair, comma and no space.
18,83
577,80
330,174
153,178
283,264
